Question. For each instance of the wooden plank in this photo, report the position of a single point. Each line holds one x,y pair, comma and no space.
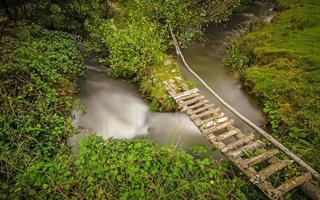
249,147
291,184
227,134
205,113
207,122
201,103
215,122
190,96
213,140
238,143
262,157
268,171
186,93
196,111
217,127
191,101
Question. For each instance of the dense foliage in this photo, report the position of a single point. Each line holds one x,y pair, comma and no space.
38,72
279,62
133,46
186,17
67,15
128,169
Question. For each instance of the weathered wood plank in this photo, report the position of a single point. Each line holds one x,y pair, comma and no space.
196,111
186,93
227,134
268,171
190,96
191,101
216,122
262,157
251,146
197,105
238,143
217,127
213,140
205,113
207,122
291,184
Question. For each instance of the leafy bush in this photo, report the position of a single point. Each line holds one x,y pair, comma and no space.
186,17
127,169
133,46
38,73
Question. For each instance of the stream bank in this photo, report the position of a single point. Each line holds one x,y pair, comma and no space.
114,108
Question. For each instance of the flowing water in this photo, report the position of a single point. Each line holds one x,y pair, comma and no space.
113,108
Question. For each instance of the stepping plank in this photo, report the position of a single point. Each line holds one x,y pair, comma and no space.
216,122
190,96
196,111
210,120
249,147
192,101
186,93
218,127
205,113
291,184
201,103
214,141
262,157
268,171
225,135
238,143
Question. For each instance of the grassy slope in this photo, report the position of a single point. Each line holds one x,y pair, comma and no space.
280,63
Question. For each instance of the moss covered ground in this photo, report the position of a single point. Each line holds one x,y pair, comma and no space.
280,64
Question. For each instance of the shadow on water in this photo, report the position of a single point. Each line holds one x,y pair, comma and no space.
113,108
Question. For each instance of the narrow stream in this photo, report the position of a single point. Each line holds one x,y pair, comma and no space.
113,108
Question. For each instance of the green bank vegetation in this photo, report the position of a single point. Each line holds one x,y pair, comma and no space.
279,63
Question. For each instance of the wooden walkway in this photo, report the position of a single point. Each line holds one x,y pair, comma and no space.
260,164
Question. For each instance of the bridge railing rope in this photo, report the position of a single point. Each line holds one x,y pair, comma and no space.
193,98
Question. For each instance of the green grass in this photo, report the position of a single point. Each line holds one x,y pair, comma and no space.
280,64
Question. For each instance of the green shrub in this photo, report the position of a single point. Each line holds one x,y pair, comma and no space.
186,17
133,46
127,169
38,73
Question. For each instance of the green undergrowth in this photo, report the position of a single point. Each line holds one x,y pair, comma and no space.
279,63
128,169
38,75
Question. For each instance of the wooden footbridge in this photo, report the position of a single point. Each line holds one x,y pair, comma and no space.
266,166
245,151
